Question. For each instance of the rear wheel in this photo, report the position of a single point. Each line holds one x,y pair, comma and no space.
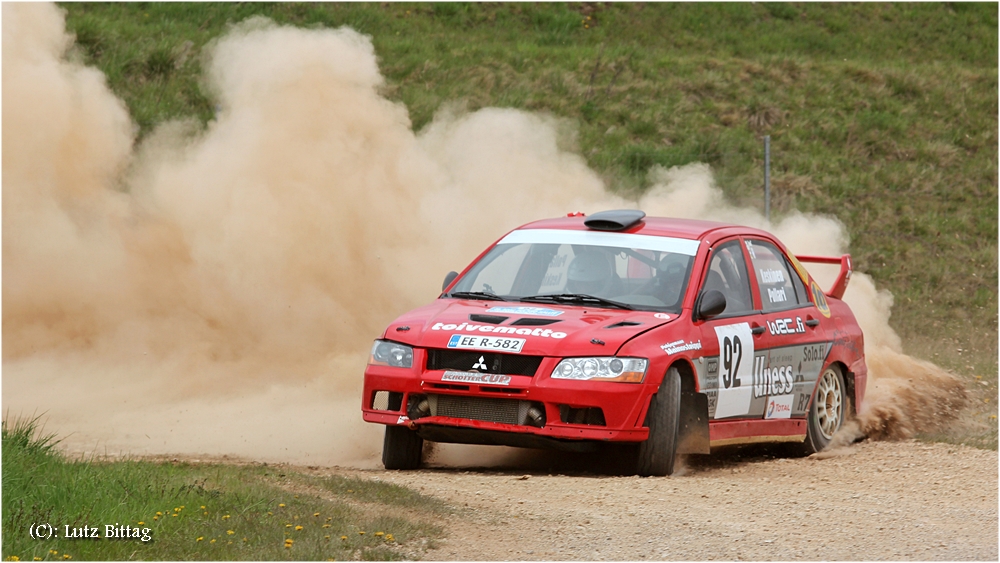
657,454
829,407
402,448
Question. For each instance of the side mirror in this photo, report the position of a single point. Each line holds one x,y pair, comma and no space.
711,303
450,277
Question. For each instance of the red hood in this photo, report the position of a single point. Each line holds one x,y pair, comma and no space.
570,332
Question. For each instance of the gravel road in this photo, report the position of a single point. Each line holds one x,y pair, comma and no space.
875,500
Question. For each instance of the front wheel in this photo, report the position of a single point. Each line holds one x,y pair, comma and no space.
829,407
402,448
658,453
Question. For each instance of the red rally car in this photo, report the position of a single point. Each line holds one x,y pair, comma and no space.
665,335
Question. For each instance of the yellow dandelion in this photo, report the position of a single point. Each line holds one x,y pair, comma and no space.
177,510
269,513
295,517
36,558
327,537
350,490
244,539
288,525
296,496
159,513
230,532
343,538
13,558
282,505
156,517
53,552
330,518
182,507
316,514
174,515
226,517
361,533
388,537
213,541
298,528
203,507
326,525
586,27
379,534
142,523
229,543
204,513
200,538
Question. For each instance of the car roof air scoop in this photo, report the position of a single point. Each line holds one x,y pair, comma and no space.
614,220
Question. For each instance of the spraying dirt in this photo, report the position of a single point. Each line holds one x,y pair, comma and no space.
216,290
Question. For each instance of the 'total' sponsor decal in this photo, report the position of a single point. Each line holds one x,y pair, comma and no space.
779,407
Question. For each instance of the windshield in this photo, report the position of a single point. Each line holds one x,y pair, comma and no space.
570,267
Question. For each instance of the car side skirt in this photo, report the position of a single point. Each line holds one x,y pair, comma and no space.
727,433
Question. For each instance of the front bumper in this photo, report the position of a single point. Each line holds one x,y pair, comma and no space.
622,406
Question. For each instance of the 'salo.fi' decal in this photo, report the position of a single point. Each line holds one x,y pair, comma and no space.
820,298
735,370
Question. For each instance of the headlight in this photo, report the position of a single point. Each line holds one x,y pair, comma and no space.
628,370
385,353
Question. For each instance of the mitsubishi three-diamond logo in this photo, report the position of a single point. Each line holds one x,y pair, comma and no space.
480,364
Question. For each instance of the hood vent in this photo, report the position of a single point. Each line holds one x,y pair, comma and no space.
623,323
533,322
492,319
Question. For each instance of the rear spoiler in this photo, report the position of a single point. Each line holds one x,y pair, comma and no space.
840,284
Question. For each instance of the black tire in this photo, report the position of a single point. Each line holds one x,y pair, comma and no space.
828,410
657,454
402,448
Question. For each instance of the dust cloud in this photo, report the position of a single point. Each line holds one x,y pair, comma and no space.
215,290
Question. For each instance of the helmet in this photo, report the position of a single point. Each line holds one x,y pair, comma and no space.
590,272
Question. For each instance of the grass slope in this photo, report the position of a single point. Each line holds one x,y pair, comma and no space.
883,115
199,511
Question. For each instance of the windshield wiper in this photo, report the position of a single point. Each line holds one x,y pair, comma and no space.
475,295
574,298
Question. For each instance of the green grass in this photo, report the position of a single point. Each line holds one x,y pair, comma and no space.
883,115
199,512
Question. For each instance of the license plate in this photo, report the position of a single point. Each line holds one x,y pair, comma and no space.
493,343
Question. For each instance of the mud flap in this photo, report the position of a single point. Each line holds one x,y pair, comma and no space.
692,428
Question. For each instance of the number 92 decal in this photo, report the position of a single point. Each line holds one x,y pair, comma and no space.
735,369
